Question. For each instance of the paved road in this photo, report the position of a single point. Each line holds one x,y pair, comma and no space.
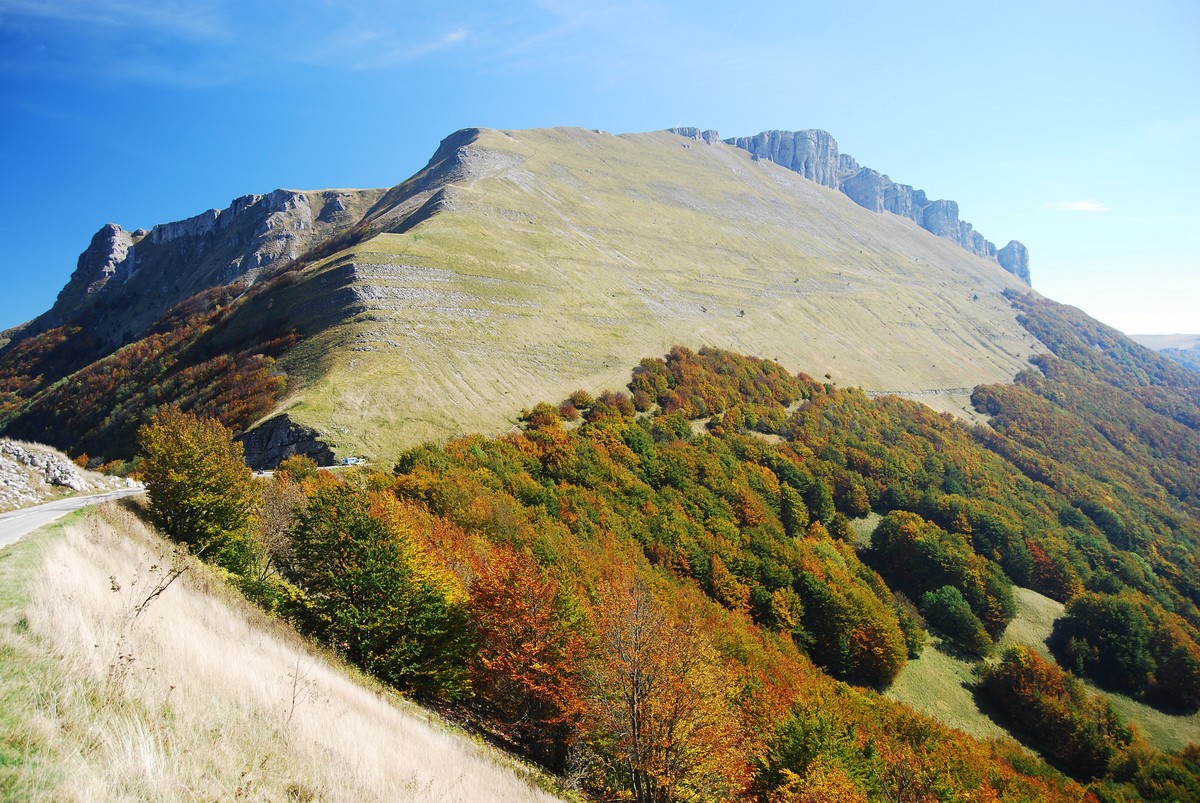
16,525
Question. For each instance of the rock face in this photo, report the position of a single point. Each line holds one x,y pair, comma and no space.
126,280
105,257
1015,259
814,154
279,438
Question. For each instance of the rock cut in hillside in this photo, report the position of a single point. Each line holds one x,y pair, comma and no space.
31,474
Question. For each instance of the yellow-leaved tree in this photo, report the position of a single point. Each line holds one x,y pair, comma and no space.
199,486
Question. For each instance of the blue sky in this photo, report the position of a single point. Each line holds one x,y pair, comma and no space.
1073,127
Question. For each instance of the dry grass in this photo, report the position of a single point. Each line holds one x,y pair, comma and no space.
200,697
1036,614
940,686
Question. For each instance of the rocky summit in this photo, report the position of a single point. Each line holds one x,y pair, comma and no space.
519,266
125,280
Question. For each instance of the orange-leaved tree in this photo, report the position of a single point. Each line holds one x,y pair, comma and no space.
660,713
530,649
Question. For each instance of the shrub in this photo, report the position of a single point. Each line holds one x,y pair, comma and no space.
1052,712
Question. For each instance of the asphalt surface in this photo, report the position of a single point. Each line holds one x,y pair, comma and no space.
19,523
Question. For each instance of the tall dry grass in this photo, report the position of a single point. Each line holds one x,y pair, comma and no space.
202,697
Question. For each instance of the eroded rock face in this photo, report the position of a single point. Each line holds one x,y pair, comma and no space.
692,132
814,154
869,189
278,438
1015,259
105,257
126,280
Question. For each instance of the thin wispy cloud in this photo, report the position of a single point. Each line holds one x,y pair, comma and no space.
188,20
1079,206
181,44
385,53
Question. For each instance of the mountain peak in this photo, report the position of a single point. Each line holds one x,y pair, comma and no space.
151,270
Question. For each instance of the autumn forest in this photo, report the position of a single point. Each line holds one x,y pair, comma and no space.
696,587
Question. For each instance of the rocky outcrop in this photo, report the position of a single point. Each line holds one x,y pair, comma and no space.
690,132
32,473
51,465
278,438
105,257
814,154
1014,257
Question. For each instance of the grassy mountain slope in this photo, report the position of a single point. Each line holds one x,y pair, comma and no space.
940,685
557,258
199,697
522,265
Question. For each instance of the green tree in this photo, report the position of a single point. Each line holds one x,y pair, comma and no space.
793,513
819,500
1107,638
199,487
947,611
298,466
369,594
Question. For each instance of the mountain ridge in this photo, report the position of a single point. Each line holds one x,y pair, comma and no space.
814,154
163,265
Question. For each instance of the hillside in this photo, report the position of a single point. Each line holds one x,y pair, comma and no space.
526,264
709,526
198,696
706,532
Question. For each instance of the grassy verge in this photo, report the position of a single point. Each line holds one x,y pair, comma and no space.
26,672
